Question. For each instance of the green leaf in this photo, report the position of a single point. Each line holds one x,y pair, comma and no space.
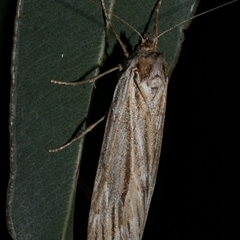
64,40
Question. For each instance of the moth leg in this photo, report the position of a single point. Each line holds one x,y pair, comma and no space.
79,136
113,30
118,67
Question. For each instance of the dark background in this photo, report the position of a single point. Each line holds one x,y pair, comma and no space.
7,15
189,199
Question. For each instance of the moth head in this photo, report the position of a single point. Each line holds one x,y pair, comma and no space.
146,43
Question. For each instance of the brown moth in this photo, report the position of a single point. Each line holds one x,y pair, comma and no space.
130,153
132,141
131,146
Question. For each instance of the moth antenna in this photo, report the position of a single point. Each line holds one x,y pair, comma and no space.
110,24
135,30
113,30
156,23
198,15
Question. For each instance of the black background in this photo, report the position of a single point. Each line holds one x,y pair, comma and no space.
189,199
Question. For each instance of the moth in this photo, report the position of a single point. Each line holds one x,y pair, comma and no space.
130,153
131,146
